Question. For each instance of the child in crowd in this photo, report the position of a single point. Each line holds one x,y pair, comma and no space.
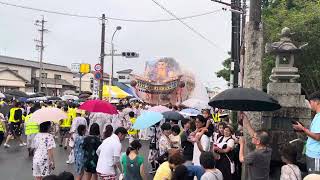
290,171
175,137
208,162
132,132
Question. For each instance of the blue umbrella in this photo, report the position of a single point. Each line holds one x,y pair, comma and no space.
22,99
147,119
190,112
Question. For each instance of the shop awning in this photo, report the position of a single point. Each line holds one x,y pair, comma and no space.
115,92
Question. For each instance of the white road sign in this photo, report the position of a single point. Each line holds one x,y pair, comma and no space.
75,67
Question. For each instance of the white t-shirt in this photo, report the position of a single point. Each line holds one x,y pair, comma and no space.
212,175
110,148
42,142
176,141
205,142
76,122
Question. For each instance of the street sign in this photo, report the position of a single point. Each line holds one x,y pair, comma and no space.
75,67
85,68
97,67
97,75
95,88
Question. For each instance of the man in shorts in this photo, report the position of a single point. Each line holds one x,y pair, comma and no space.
65,126
15,124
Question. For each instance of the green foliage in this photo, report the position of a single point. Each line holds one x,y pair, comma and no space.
225,72
303,18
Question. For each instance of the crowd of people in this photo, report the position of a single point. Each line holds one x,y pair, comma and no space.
194,147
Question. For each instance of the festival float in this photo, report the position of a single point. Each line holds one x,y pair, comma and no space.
163,82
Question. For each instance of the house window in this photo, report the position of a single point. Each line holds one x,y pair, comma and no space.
122,77
57,76
44,75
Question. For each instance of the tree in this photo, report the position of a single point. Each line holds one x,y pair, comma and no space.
225,72
302,17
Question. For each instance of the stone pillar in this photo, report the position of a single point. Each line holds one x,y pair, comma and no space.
279,123
253,76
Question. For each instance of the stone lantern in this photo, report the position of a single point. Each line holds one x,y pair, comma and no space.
284,51
285,88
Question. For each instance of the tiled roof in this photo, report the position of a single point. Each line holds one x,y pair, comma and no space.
34,64
16,74
126,71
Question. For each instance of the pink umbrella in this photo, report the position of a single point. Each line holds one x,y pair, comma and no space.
159,109
99,106
48,114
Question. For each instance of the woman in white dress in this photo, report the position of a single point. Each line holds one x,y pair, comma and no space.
43,145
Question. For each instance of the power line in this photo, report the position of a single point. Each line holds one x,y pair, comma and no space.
48,11
185,24
109,18
171,19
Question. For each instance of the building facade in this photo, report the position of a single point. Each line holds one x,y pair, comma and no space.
21,74
124,76
88,83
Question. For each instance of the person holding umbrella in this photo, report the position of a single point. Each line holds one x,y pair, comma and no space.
43,145
258,161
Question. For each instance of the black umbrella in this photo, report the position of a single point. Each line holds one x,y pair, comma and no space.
86,92
16,93
244,99
172,115
84,96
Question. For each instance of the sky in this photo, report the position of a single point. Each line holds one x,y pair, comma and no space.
77,40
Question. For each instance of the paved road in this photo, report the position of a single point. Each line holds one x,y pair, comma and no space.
15,164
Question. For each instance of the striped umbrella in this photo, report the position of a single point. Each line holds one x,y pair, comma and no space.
115,92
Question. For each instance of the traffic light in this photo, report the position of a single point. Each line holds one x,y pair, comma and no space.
130,54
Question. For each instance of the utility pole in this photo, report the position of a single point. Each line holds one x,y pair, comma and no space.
252,76
80,85
235,42
242,41
40,47
236,12
102,54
